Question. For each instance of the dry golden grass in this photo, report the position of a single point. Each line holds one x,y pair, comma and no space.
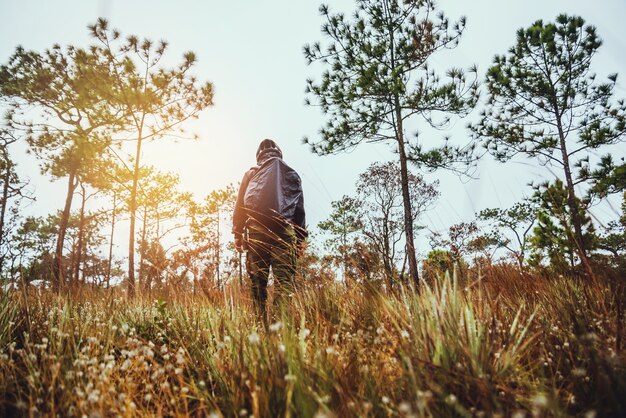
505,344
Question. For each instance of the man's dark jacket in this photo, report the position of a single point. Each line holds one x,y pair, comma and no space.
270,195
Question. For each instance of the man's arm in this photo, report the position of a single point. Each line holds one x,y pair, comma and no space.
300,219
239,214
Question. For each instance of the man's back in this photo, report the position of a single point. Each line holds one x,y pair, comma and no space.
270,195
274,194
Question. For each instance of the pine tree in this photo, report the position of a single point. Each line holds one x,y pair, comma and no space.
56,100
154,101
13,189
344,225
378,81
552,236
545,103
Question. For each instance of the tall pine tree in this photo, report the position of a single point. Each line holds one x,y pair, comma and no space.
156,101
57,99
545,103
377,81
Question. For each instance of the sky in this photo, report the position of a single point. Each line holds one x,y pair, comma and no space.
252,53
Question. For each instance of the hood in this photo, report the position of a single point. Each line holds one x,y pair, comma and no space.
267,149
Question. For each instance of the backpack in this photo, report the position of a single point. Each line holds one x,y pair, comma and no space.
272,194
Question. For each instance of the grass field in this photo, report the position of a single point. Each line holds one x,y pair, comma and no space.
506,344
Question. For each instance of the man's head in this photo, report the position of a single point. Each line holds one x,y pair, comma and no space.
267,146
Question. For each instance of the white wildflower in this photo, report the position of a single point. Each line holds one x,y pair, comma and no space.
540,400
276,326
94,396
404,407
254,338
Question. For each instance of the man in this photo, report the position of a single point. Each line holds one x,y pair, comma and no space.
269,222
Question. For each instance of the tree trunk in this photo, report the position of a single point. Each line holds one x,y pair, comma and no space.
81,228
5,199
406,198
142,251
387,257
573,203
195,285
520,262
57,265
404,171
217,272
344,250
111,242
133,210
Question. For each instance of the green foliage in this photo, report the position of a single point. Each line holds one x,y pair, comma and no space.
344,225
608,178
542,93
65,91
613,239
13,191
553,237
73,123
202,254
33,244
32,248
438,262
545,103
154,101
377,77
377,80
344,220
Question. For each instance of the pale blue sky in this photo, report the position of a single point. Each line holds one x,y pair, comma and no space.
252,52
